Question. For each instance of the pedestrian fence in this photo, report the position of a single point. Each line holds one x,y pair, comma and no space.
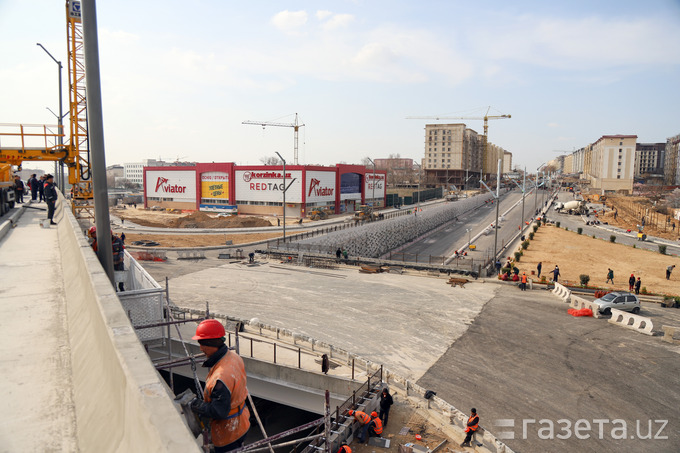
142,299
641,324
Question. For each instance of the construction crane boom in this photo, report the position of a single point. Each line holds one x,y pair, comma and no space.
294,125
485,118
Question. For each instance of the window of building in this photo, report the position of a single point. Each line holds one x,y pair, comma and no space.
618,176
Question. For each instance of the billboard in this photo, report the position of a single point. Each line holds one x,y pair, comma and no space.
379,182
350,186
176,185
320,187
267,186
215,185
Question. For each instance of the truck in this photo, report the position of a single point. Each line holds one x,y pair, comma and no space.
7,186
572,207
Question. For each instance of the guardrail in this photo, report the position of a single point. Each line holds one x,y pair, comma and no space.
631,321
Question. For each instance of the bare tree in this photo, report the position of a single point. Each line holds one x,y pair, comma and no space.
366,162
270,160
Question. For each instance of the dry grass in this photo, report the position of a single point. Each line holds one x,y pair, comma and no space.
579,254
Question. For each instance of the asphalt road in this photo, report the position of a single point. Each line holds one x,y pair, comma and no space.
525,358
455,236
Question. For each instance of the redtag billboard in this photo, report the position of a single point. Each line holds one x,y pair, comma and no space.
267,185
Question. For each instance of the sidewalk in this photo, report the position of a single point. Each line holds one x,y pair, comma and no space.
35,353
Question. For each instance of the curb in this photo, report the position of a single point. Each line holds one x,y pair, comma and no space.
12,220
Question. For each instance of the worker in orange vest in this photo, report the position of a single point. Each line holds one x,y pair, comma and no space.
364,420
344,448
224,398
472,426
375,426
523,286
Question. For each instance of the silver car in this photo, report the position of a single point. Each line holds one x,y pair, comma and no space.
620,300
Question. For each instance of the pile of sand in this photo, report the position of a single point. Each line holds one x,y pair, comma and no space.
199,219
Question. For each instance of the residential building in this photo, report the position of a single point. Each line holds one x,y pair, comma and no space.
134,172
649,158
671,170
610,162
507,162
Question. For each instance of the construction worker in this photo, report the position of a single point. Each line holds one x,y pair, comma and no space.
118,250
224,399
472,426
50,194
523,286
92,234
375,426
364,420
344,448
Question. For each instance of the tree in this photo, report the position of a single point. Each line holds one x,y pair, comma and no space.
366,162
270,160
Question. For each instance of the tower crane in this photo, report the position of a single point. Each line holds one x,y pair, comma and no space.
486,119
294,125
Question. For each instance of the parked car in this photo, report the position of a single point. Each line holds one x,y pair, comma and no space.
620,300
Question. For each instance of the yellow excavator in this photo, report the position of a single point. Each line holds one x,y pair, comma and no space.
320,213
366,213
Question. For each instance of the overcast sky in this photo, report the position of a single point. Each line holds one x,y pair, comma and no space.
178,78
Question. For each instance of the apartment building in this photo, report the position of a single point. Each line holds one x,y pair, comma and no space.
671,170
649,158
609,163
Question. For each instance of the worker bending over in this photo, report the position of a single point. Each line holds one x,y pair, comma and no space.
364,420
224,399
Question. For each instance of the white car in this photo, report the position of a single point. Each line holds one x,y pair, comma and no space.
620,300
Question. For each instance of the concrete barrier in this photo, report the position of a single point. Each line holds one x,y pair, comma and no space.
562,292
669,334
630,321
121,403
579,302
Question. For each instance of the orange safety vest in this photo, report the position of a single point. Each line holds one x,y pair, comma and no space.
476,425
524,278
362,417
377,425
231,371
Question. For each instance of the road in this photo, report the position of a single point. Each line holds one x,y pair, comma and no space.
525,358
455,236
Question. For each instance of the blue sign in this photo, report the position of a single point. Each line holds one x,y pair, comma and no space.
350,183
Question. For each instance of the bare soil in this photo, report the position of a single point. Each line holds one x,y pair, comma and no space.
197,219
630,211
579,254
199,240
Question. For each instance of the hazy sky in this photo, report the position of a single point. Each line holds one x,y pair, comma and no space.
178,78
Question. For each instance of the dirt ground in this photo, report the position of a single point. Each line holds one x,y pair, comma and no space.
630,211
579,254
199,240
197,219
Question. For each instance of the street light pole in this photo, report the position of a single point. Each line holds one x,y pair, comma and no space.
419,173
498,206
58,174
373,201
284,195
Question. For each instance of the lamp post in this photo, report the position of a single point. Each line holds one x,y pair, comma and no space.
373,199
420,168
497,197
58,174
469,240
284,195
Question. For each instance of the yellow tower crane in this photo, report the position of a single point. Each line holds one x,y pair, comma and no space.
486,119
294,125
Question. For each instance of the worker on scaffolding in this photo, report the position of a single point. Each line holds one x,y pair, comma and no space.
363,419
224,399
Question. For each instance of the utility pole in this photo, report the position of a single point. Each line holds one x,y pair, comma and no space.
284,195
498,206
96,136
524,186
373,202
419,173
58,166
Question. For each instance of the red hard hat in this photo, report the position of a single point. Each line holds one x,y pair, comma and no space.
374,414
350,412
92,230
208,329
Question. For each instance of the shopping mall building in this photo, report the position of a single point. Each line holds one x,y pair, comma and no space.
258,189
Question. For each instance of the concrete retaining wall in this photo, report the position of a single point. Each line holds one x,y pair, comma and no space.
637,323
121,403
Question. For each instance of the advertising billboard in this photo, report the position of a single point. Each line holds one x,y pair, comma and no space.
177,185
350,186
267,185
215,185
379,185
320,187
